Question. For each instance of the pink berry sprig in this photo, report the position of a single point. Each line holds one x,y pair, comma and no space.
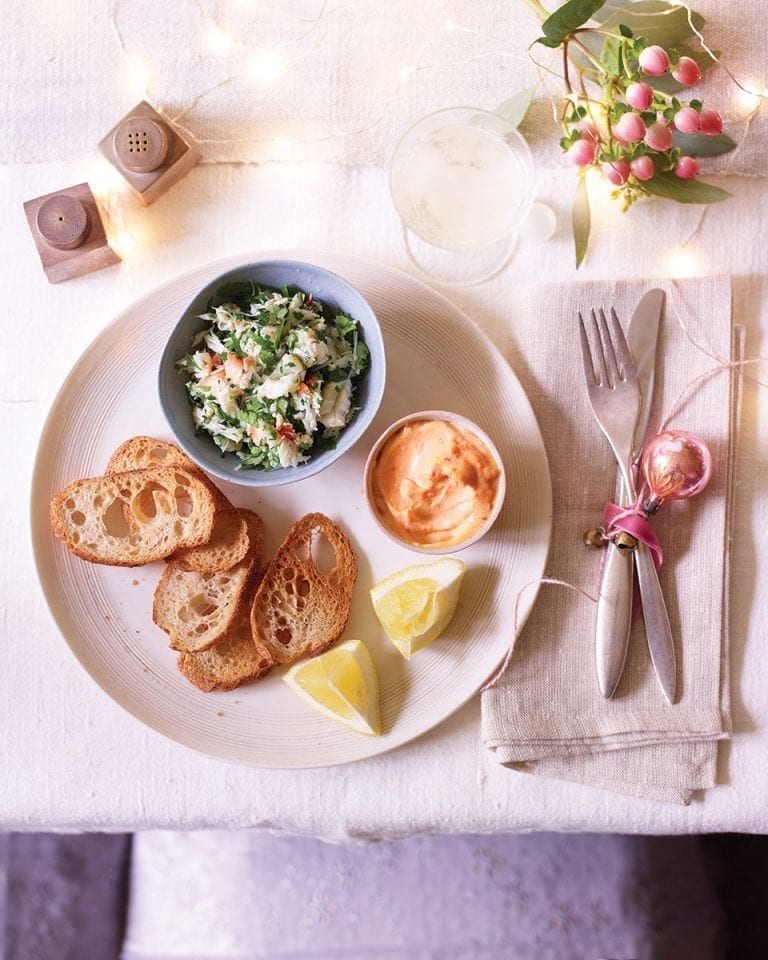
630,135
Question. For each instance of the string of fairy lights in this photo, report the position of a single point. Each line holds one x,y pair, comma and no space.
267,65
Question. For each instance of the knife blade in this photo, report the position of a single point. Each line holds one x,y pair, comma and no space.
614,608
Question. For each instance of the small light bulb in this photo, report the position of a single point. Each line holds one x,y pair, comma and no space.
104,179
122,242
750,95
600,189
138,77
405,73
449,25
265,66
682,264
218,42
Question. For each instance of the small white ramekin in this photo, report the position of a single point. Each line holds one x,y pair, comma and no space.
465,424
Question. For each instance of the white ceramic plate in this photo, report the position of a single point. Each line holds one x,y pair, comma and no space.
437,359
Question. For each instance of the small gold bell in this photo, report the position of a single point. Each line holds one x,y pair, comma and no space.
594,539
625,542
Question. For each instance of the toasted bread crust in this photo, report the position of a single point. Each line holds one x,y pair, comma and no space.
235,659
299,610
229,540
196,609
140,453
159,511
227,546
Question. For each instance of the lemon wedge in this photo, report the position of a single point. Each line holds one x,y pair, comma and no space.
341,683
416,604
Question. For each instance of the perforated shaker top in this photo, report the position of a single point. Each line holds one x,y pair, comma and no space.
141,144
63,222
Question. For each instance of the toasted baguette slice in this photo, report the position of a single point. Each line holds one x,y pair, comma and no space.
197,609
229,541
299,610
228,544
140,453
234,660
132,518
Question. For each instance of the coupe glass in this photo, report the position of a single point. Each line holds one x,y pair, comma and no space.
462,181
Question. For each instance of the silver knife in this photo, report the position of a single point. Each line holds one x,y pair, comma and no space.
614,608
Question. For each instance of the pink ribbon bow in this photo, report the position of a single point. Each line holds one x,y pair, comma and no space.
634,521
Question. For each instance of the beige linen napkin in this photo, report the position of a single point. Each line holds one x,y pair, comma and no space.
545,715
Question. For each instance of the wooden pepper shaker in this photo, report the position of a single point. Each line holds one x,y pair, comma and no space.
69,233
148,151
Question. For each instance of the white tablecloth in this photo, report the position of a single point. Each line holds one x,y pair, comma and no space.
72,759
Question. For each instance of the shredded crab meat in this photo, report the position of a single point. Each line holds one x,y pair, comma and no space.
273,375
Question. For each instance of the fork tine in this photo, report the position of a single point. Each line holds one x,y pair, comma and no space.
586,353
608,351
599,354
621,347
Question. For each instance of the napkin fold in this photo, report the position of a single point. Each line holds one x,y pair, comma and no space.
545,714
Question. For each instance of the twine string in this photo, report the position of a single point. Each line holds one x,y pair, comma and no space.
516,621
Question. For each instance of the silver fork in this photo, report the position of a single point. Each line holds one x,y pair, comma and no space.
614,395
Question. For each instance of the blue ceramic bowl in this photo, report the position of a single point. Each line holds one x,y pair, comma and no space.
334,293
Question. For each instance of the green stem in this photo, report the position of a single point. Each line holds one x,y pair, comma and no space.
538,9
588,54
566,78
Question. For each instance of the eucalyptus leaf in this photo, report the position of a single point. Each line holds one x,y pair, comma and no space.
515,109
700,145
658,21
569,17
581,220
609,55
670,187
546,42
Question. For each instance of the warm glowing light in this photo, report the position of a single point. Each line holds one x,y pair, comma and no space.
265,66
103,179
123,242
449,25
138,77
751,96
682,264
218,42
600,191
405,73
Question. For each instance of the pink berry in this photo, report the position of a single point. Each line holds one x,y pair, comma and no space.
639,95
687,71
687,168
617,171
659,136
588,130
710,122
687,120
654,61
643,168
629,128
582,153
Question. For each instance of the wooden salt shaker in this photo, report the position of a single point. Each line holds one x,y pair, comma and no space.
148,151
69,233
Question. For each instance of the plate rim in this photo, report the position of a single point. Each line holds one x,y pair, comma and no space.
38,519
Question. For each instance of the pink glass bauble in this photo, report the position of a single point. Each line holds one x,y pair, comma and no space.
675,465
